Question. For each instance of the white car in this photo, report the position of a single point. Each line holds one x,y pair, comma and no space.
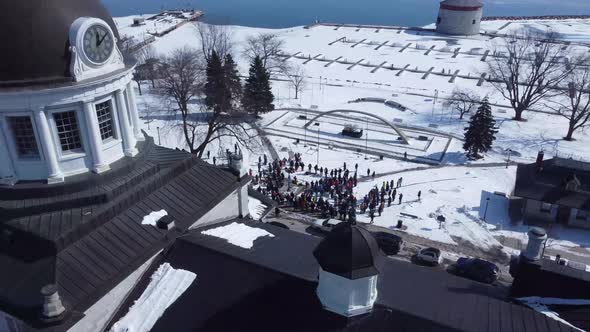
430,256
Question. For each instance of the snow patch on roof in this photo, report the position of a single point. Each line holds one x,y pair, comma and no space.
152,218
540,304
238,234
166,285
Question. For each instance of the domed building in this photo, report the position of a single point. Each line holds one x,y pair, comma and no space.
86,200
459,17
66,103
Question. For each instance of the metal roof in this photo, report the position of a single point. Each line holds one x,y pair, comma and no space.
271,287
87,255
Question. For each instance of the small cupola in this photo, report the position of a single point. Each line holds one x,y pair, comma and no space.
349,258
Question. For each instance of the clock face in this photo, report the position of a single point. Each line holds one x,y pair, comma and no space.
98,43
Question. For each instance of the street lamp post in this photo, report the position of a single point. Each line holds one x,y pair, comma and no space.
318,158
508,160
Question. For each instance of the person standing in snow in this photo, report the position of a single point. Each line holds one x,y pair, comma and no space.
368,172
419,194
208,154
400,198
389,201
214,160
373,174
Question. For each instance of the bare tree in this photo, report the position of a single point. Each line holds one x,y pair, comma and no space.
575,102
296,76
532,67
268,47
147,59
182,79
463,101
214,38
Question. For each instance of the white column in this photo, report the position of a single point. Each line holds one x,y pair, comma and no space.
98,163
6,168
126,130
48,146
134,112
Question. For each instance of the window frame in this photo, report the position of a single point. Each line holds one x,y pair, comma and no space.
69,154
11,143
117,139
584,216
543,208
114,133
15,141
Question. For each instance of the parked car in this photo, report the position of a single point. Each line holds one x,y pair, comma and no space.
477,269
390,244
352,131
324,227
431,256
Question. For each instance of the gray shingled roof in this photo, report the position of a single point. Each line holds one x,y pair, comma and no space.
87,255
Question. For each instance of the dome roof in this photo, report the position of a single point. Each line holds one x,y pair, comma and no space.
35,37
349,251
463,3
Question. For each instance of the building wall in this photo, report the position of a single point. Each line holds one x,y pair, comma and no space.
456,22
225,210
533,213
50,101
11,324
575,222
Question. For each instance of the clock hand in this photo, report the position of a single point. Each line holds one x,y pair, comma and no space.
102,39
97,38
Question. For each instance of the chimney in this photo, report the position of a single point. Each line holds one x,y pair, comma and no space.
539,162
53,309
348,258
534,249
165,223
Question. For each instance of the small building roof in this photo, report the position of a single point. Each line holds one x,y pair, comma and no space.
549,184
272,287
349,251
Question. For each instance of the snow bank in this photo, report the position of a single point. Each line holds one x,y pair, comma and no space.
238,234
256,208
166,285
152,218
540,304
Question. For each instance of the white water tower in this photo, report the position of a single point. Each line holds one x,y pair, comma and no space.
459,17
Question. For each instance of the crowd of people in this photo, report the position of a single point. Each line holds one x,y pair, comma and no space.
330,196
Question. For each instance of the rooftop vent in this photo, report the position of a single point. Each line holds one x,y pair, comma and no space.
534,250
53,309
166,222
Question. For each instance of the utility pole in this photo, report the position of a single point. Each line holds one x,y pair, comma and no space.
159,140
434,103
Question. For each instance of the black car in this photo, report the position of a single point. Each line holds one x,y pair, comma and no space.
390,244
477,269
352,131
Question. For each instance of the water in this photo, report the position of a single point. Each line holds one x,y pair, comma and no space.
287,13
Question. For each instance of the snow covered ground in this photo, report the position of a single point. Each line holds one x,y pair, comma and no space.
454,192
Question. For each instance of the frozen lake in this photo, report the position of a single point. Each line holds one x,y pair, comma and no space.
288,13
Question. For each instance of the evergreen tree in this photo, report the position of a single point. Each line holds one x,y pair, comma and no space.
481,132
215,88
258,97
232,78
